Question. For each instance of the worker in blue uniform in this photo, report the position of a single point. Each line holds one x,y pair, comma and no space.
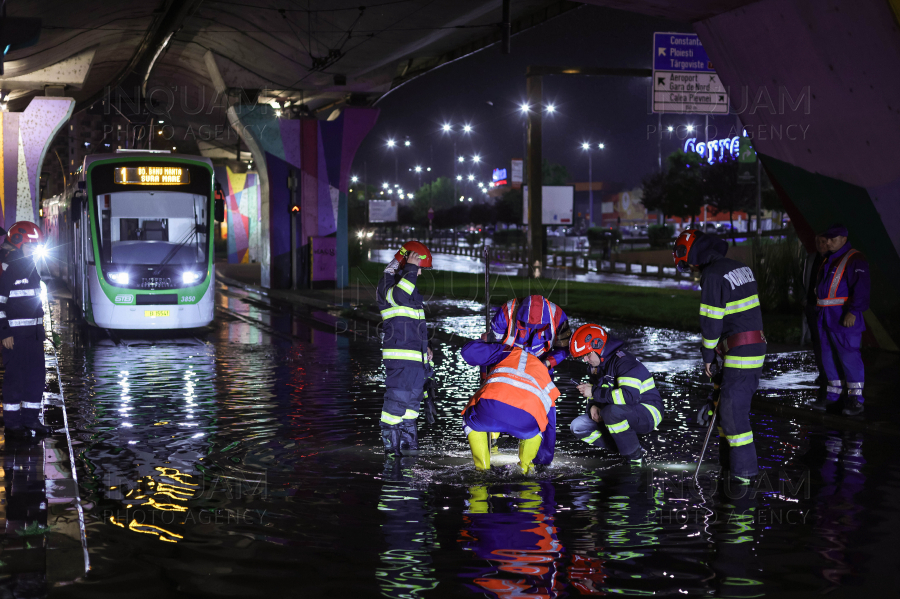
405,346
842,296
22,333
623,401
731,326
541,328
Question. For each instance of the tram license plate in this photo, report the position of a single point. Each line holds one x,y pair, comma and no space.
155,313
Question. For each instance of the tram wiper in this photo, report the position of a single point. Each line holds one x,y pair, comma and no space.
174,251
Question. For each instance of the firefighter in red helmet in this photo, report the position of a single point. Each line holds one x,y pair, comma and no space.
405,351
22,332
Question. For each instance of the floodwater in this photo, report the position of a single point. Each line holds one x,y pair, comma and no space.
246,463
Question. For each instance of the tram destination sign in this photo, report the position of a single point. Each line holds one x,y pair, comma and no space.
684,81
152,175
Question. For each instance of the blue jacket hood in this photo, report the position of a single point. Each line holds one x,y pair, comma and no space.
612,344
706,249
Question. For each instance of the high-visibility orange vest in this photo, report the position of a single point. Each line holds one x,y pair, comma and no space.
522,381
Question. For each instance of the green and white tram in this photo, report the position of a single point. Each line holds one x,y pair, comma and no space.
133,239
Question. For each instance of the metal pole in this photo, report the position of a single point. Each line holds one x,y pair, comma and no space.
486,255
590,191
535,182
294,256
659,141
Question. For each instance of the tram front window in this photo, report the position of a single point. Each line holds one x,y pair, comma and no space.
150,239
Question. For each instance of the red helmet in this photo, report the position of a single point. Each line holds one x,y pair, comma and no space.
24,232
586,339
417,247
683,248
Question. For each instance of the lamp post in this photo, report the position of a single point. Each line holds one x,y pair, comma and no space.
585,146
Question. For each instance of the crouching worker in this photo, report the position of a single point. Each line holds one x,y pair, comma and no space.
622,398
515,398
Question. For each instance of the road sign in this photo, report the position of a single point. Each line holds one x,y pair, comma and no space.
746,162
431,214
684,81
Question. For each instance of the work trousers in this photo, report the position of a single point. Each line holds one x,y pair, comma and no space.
492,416
619,428
403,393
812,323
738,387
24,378
842,361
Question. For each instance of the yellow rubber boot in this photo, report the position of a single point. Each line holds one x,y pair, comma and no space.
494,449
481,449
478,500
528,449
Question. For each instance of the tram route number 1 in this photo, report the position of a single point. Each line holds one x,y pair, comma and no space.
155,313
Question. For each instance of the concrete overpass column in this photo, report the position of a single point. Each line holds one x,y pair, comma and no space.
24,139
321,153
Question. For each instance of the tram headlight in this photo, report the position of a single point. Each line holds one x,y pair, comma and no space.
40,252
119,277
189,277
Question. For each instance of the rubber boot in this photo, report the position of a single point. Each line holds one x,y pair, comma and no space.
478,500
481,452
494,448
409,436
528,449
390,436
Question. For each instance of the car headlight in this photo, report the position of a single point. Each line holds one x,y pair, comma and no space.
189,277
119,277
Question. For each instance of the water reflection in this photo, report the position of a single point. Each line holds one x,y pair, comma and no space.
511,530
406,569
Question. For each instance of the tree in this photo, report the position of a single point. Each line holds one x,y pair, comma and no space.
439,194
554,174
677,191
508,207
722,190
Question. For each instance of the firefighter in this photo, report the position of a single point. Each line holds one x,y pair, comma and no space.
22,333
731,325
405,347
842,296
516,399
541,328
623,401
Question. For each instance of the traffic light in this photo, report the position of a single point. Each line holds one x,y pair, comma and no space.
293,184
17,33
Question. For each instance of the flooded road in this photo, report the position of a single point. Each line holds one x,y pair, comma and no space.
246,462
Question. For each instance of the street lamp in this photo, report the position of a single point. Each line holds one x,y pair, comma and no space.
461,158
690,128
354,179
467,128
551,108
445,127
418,169
471,177
459,177
476,158
407,143
587,148
524,107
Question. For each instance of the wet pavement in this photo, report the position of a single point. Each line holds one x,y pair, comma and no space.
245,461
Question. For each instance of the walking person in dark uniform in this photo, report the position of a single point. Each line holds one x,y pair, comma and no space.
22,333
731,324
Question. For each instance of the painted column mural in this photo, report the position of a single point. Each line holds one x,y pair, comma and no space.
24,137
319,154
242,199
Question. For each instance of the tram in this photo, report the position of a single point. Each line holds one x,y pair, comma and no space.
132,237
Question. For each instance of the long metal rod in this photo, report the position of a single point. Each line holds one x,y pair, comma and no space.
486,254
712,424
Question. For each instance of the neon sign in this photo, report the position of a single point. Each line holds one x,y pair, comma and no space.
499,176
715,150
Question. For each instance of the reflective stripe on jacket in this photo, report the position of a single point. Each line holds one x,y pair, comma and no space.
521,381
403,318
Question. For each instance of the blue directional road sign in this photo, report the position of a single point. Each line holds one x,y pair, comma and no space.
684,81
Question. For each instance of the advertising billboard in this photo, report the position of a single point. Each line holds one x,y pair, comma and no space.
558,202
382,211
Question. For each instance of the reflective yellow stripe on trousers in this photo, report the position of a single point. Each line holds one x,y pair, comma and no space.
744,361
402,354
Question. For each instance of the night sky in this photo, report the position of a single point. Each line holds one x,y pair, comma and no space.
615,111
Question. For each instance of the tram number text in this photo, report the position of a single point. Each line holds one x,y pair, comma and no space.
187,299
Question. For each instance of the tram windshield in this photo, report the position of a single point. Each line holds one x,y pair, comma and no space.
153,228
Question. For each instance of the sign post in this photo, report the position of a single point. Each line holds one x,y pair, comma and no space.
430,220
684,81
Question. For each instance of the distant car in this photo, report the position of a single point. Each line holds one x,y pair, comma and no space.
640,230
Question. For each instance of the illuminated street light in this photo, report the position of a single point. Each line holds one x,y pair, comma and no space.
467,128
462,198
461,159
446,127
470,199
390,191
385,185
471,177
480,184
354,179
476,158
585,146
390,143
524,107
459,177
670,128
418,169
601,146
551,108
690,128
